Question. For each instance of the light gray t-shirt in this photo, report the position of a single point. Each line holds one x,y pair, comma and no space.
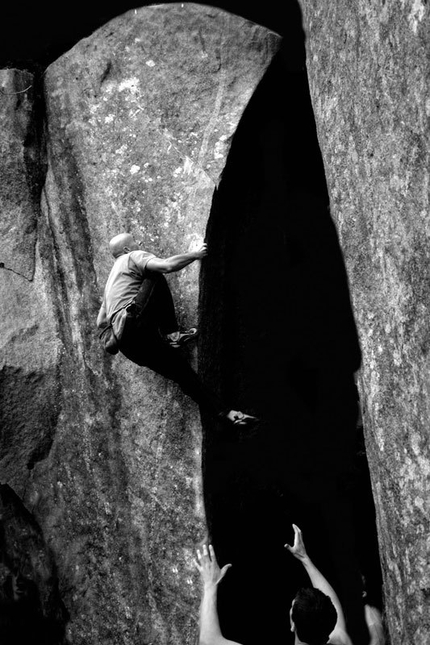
124,280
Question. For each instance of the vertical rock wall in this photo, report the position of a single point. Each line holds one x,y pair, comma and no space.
368,73
103,454
29,348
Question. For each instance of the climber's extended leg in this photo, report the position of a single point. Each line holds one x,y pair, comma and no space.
144,346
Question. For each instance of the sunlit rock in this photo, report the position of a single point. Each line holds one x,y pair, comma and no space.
368,73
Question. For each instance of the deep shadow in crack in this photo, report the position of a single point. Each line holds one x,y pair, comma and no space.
279,340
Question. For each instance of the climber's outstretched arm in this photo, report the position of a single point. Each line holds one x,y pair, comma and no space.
176,262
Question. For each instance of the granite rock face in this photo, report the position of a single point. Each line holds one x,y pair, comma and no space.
104,455
368,74
30,348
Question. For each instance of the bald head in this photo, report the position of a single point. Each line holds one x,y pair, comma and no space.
122,243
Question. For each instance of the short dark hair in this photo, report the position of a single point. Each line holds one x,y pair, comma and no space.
314,616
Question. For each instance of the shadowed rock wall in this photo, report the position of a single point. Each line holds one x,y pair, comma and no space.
368,73
103,454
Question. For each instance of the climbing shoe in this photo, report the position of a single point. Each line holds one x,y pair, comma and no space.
179,338
238,426
239,419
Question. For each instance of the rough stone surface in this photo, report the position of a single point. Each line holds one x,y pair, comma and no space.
28,371
105,455
20,171
368,73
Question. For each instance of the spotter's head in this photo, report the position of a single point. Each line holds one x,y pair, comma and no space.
312,616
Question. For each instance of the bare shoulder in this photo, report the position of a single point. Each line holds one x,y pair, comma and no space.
218,640
339,637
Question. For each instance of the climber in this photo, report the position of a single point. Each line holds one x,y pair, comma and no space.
138,304
316,615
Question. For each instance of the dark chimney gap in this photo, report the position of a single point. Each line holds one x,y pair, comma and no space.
279,340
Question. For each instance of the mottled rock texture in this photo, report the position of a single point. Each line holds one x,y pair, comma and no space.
368,72
30,349
104,455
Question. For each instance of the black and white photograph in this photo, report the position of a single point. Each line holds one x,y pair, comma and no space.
215,330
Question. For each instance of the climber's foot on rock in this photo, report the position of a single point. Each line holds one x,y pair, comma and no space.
239,419
178,338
